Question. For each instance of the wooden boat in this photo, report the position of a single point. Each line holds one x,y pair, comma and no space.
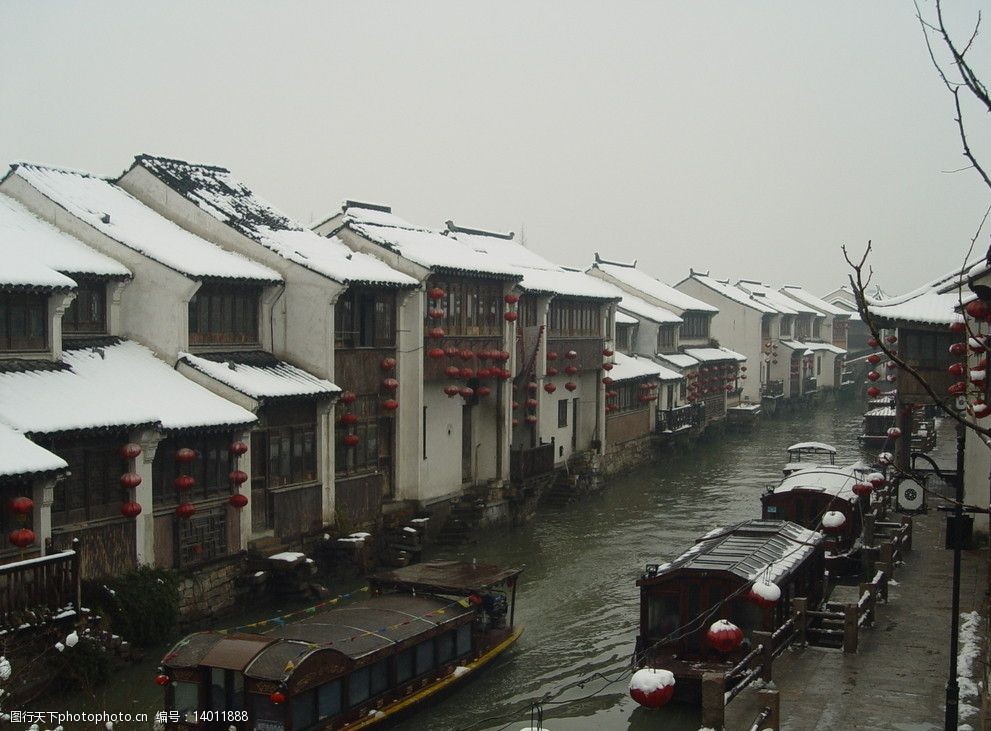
710,581
809,454
805,495
879,419
425,628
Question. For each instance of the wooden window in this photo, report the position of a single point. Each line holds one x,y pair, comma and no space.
695,325
292,454
92,488
666,338
574,318
23,322
528,311
786,326
87,313
817,328
802,327
210,469
927,349
629,397
201,538
221,314
562,413
765,328
374,448
365,318
472,308
624,337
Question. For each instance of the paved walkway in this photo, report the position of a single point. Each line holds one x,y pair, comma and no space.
897,680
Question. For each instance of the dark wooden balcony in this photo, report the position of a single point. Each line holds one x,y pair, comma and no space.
680,418
40,587
773,389
525,464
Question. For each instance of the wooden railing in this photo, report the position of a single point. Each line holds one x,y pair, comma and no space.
680,417
772,389
527,463
810,384
38,589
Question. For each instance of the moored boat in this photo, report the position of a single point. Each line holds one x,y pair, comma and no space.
426,628
809,454
721,577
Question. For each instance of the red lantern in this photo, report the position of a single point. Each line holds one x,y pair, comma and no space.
22,537
550,387
184,482
436,293
504,374
724,635
451,391
873,391
607,380
551,371
185,510
278,697
571,385
451,352
873,358
390,404
977,309
237,448
511,299
532,386
957,388
958,327
349,419
484,373
162,680
237,500
877,479
130,480
185,455
862,489
551,355
466,392
872,342
608,352
483,390
531,419
651,687
435,314
348,397
743,368
612,394
503,355
130,451
894,432
435,333
388,364
390,384
833,521
130,509
467,373
764,593
570,370
436,353
511,316
516,422
571,355
21,505
531,403
452,372
515,405
238,477
873,375
351,440
607,366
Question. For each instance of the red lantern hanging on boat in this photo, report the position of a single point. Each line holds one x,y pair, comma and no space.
724,636
484,373
504,374
390,404
451,391
552,371
184,482
436,293
185,454
652,687
348,397
451,352
130,451
511,299
764,593
833,521
185,510
350,440
571,385
238,477
21,505
130,509
237,500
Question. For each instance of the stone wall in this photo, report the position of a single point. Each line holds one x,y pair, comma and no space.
627,455
209,591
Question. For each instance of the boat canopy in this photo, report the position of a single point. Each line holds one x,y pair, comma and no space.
444,577
746,550
836,481
812,447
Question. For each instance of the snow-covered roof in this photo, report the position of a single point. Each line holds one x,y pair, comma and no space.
666,374
884,411
377,215
773,298
259,375
119,215
434,250
121,384
707,355
623,319
727,290
678,360
630,366
20,456
836,481
934,303
35,253
214,190
539,274
794,344
641,307
826,346
817,303
642,282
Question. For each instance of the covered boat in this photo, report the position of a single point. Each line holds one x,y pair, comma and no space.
879,419
713,580
426,627
809,454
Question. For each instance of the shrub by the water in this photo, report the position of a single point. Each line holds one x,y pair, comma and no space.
142,605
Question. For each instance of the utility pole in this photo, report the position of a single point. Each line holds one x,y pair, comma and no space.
955,533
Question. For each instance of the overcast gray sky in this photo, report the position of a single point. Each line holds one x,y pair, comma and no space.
751,139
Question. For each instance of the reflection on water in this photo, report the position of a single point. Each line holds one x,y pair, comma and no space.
577,595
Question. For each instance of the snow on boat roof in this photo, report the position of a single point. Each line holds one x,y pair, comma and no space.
934,303
36,253
727,290
259,375
782,303
881,411
434,250
217,192
835,481
812,447
816,303
539,274
630,366
646,284
119,215
623,319
826,346
679,360
708,355
752,549
20,456
120,384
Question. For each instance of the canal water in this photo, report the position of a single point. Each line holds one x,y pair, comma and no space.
577,596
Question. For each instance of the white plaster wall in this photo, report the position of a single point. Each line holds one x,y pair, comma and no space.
440,472
409,372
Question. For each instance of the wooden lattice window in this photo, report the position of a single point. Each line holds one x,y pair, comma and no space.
23,321
87,313
222,314
201,538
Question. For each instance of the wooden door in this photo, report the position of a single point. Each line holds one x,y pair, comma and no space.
466,444
259,482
